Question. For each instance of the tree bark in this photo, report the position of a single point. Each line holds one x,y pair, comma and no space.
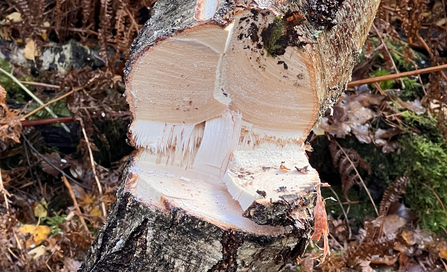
223,94
138,237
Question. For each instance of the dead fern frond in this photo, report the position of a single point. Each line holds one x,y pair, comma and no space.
345,161
393,194
88,9
410,13
105,33
22,6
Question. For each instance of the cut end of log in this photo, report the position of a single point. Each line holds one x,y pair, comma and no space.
226,104
201,196
200,72
223,96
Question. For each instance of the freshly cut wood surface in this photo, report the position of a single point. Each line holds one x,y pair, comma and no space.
230,90
223,95
142,237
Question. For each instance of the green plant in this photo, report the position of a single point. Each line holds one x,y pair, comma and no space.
424,160
276,33
384,85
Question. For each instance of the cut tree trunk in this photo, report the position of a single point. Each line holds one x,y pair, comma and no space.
223,95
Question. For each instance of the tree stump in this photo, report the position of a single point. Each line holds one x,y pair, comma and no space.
223,96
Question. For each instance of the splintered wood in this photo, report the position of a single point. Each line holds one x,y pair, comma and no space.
223,111
223,96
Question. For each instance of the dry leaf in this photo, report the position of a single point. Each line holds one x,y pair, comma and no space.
320,225
15,17
37,252
87,199
95,212
40,210
44,31
30,49
40,234
443,253
55,159
387,260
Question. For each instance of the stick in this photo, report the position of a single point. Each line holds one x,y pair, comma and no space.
389,54
4,192
38,122
41,84
49,121
344,212
50,163
64,179
32,95
50,102
92,162
363,183
396,76
60,97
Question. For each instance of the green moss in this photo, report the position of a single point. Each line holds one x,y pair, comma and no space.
277,29
13,90
426,125
384,85
5,81
421,157
424,161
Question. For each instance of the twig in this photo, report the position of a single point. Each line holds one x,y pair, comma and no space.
50,102
396,76
50,163
344,212
437,197
42,192
92,162
335,240
389,54
443,229
12,253
17,240
425,45
4,192
70,191
357,172
41,84
60,97
49,121
32,95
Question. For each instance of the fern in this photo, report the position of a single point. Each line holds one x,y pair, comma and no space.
349,177
392,194
87,10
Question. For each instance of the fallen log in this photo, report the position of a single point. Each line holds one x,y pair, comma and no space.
223,95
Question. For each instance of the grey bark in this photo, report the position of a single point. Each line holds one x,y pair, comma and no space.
141,238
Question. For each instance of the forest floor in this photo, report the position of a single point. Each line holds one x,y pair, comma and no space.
382,147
